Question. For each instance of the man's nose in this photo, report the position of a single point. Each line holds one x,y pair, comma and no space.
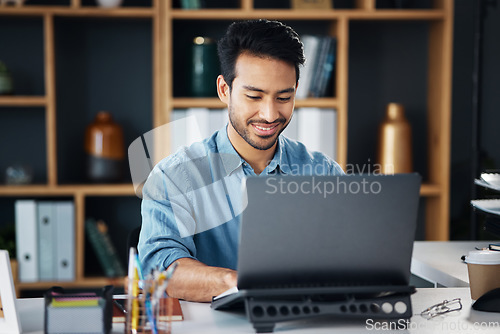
269,111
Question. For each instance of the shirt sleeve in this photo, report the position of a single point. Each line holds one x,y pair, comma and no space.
336,169
167,219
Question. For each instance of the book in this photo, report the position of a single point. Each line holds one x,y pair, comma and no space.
495,247
177,129
319,62
104,248
327,67
218,118
191,4
317,129
192,125
119,312
311,47
292,131
197,124
320,53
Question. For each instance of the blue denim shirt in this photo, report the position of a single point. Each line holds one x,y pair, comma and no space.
192,200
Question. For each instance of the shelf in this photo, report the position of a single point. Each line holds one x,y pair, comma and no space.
286,14
96,282
430,190
82,11
215,103
23,101
68,190
67,98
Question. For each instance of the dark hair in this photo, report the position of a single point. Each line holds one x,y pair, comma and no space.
262,38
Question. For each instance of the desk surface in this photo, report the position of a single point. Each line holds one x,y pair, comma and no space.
439,261
200,318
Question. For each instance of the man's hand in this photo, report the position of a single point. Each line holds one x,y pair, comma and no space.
195,281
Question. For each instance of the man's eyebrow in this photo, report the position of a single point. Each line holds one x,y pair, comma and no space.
255,89
287,90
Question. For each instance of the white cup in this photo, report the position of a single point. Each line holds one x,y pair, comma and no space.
484,271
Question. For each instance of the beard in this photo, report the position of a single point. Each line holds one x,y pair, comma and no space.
241,127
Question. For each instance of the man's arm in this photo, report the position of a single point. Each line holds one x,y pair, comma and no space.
195,281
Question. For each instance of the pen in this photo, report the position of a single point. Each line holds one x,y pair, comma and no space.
133,290
164,277
146,287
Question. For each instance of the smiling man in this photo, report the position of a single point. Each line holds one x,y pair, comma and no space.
192,199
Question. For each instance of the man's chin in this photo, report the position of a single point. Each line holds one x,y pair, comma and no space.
264,143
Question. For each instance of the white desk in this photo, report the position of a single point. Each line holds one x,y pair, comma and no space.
199,318
439,261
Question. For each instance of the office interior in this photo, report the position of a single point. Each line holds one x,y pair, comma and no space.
105,63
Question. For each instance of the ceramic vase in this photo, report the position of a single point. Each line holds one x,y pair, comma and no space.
104,146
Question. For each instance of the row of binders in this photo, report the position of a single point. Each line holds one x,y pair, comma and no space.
45,240
315,77
314,127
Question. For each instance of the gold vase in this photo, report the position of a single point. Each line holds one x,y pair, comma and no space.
394,154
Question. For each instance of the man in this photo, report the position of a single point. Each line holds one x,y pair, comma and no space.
192,199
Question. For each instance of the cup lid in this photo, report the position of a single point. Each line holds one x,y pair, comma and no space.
483,257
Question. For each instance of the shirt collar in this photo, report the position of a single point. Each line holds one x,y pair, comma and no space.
280,159
231,160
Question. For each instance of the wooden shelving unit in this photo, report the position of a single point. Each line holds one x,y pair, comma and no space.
163,16
435,189
53,188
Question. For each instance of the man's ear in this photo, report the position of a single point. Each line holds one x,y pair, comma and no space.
222,89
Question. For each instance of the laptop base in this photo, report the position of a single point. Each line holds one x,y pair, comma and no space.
266,307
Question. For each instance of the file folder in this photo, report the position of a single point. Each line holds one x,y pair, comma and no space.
46,246
26,240
65,241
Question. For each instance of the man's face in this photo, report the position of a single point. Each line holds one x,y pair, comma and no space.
261,100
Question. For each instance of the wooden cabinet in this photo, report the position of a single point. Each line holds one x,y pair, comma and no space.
71,81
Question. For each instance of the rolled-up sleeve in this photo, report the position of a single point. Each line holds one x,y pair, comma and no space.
167,219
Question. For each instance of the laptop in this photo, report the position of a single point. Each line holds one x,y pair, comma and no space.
303,232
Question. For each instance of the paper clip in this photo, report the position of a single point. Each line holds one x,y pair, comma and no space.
444,307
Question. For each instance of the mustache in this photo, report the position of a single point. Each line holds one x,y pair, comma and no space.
261,121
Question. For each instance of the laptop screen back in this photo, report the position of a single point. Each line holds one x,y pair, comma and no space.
302,231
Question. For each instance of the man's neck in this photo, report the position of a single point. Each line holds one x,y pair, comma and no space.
257,159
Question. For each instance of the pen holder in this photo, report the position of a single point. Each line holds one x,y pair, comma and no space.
147,313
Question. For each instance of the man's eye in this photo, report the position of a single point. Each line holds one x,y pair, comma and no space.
252,97
284,99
